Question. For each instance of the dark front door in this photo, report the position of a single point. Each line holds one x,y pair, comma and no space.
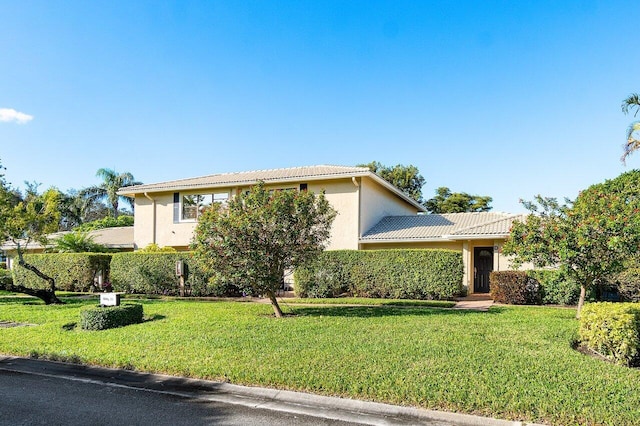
482,267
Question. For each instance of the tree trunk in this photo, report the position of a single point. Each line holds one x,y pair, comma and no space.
583,295
274,303
48,296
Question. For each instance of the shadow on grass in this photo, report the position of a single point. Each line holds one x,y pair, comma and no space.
383,311
154,317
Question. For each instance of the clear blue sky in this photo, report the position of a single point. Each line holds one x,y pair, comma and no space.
500,98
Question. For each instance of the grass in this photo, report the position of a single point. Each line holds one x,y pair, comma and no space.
512,362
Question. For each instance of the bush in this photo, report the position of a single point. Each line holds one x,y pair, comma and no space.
514,288
5,279
397,274
71,271
106,222
628,284
154,273
612,330
102,318
556,287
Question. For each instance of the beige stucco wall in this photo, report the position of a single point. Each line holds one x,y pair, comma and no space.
377,202
341,194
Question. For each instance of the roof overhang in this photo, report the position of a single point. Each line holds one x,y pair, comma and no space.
132,191
404,240
476,237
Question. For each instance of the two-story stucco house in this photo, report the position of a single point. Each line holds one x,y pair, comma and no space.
372,214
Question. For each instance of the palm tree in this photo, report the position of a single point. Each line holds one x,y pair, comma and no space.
108,189
632,103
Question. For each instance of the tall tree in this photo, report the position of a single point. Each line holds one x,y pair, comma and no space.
108,189
406,178
26,219
257,236
446,201
630,104
590,238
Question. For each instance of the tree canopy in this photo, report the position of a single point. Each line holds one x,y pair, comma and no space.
406,178
446,201
25,219
108,189
258,235
590,238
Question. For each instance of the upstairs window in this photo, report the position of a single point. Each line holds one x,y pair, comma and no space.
193,205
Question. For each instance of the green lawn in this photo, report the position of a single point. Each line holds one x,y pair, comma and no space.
512,362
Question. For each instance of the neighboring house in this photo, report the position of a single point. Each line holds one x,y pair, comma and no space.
372,214
118,238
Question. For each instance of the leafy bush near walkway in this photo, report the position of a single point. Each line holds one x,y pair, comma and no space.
612,330
396,274
71,271
534,287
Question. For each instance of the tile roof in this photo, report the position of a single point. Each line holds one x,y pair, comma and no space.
249,178
434,227
117,237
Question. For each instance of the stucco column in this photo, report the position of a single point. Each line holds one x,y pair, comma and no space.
466,264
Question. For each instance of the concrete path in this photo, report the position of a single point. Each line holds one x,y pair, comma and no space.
474,303
330,409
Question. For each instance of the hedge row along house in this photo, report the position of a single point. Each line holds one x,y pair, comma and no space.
372,214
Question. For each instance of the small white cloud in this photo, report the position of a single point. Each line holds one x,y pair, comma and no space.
9,114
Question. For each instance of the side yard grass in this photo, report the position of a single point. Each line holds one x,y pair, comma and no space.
512,362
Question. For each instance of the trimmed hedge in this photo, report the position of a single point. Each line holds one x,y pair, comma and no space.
102,318
72,271
154,273
612,330
514,288
533,287
396,274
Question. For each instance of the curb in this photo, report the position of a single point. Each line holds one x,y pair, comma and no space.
334,408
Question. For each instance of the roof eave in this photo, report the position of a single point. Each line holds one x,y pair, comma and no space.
396,191
405,240
130,191
476,236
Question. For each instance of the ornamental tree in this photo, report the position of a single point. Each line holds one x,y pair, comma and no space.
590,238
27,219
258,235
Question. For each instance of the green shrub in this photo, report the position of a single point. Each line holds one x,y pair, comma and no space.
556,287
613,330
3,265
5,279
71,271
106,222
514,288
154,273
396,274
102,318
628,284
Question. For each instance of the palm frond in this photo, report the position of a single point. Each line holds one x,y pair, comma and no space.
633,142
630,103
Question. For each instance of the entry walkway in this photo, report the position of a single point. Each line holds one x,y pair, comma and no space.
475,302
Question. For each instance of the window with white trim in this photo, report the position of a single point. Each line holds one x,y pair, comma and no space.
193,205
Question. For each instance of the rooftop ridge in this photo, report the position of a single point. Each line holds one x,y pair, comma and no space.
491,222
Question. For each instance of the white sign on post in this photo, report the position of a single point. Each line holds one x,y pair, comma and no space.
109,299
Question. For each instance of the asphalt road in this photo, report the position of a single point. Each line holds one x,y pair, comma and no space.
27,399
